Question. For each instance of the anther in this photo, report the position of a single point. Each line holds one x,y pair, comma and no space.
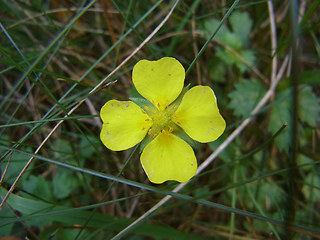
158,105
176,106
147,120
170,130
144,112
163,131
146,108
154,135
143,128
150,131
179,123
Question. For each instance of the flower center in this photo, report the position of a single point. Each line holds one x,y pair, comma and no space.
162,120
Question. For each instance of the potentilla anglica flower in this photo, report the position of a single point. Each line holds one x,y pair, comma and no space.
166,156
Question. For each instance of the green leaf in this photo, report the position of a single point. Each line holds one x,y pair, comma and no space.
304,160
64,183
210,25
310,77
245,97
62,147
241,24
229,58
69,234
249,56
237,39
309,106
66,150
6,229
281,114
225,56
232,40
38,186
311,187
54,233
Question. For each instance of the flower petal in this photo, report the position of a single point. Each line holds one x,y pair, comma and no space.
124,124
168,157
198,115
160,81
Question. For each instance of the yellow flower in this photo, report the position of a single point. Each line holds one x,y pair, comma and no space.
166,156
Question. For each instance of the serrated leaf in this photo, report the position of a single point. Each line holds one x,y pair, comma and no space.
248,55
225,56
229,58
241,24
245,97
309,106
212,24
232,40
282,113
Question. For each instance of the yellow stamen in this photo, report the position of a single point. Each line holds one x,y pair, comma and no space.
144,112
146,108
158,105
154,135
150,131
176,106
179,123
170,130
147,119
163,131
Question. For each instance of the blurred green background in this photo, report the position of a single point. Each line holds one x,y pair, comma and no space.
263,185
